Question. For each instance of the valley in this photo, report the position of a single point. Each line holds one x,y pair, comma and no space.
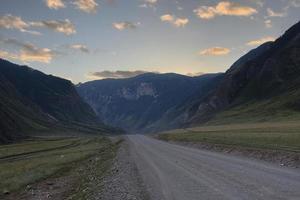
135,103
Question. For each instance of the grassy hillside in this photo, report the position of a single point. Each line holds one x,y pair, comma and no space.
31,101
277,109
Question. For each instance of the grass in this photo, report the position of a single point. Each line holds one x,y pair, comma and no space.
35,160
277,109
276,136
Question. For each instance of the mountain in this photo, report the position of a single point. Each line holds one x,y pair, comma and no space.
263,85
139,103
32,100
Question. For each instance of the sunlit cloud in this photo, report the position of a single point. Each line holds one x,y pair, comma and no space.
80,47
224,8
177,22
15,22
125,25
27,52
31,53
195,74
215,51
260,41
55,4
272,13
167,18
88,6
63,26
115,74
7,55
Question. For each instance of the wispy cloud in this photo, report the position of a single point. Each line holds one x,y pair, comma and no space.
272,13
260,41
125,25
148,4
224,8
268,23
177,22
63,26
27,52
15,22
115,74
55,4
80,47
215,51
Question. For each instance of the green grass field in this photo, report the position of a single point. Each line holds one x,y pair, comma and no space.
34,160
276,136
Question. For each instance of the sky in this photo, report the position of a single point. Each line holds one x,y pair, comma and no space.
84,40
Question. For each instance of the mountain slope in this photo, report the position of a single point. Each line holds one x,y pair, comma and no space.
139,103
260,87
31,100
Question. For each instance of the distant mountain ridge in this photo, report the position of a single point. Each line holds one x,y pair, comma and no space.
262,85
137,103
32,100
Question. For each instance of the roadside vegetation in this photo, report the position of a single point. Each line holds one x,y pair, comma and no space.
36,160
274,136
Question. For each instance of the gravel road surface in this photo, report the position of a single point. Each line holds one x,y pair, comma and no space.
173,172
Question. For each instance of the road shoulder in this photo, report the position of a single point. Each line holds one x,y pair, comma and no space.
123,181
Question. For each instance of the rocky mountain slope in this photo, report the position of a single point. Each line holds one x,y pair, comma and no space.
31,100
139,103
262,85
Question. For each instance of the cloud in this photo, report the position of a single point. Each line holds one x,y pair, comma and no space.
215,51
260,41
7,55
55,4
80,47
272,13
224,8
181,22
294,3
31,53
195,74
149,4
177,22
268,23
15,22
88,6
28,52
115,74
151,1
167,18
62,26
125,25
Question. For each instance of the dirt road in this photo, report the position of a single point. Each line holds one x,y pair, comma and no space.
174,172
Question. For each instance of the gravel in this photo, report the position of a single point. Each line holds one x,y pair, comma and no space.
123,182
